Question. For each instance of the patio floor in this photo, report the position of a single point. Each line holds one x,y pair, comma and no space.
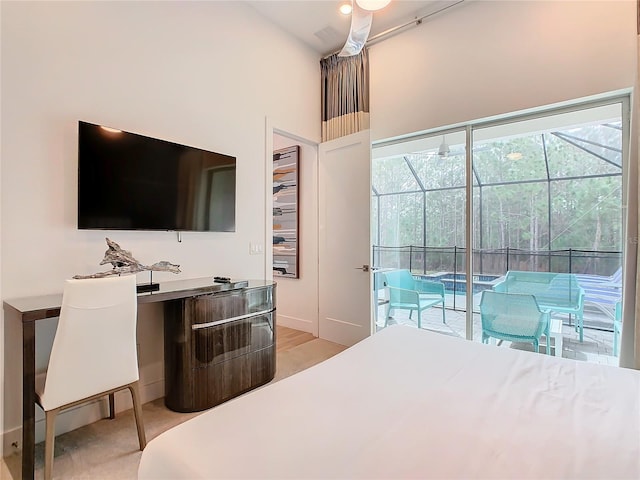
597,346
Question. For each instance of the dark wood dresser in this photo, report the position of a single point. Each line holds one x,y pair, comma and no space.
218,345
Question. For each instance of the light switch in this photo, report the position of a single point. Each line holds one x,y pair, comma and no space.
255,248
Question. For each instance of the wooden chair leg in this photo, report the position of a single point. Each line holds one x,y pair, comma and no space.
49,441
112,406
137,410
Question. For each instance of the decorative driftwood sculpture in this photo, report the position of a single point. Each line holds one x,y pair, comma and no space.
123,262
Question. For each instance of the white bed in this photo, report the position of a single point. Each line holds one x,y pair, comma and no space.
408,403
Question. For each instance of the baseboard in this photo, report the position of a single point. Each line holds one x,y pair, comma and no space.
301,324
81,415
342,332
67,420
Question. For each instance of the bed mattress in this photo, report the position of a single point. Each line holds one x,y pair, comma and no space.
409,403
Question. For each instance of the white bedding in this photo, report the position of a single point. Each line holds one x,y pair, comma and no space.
408,403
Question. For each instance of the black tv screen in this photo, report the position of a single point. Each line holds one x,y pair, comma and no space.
128,181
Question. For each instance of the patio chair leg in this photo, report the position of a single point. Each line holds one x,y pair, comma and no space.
443,320
580,322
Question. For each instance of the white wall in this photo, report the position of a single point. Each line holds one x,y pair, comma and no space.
484,58
205,74
297,298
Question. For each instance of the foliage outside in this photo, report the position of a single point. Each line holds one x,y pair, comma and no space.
539,193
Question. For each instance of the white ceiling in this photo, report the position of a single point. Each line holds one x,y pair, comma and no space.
320,25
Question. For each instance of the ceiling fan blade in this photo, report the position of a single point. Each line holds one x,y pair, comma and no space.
361,21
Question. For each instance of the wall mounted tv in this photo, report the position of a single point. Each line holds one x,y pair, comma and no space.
128,181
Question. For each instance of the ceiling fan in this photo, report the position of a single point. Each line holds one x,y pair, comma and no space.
361,20
445,151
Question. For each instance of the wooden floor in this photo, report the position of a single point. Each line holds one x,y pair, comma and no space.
287,338
101,450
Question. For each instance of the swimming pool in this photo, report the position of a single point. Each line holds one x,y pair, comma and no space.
457,282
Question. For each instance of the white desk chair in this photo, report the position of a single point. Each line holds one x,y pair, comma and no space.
94,352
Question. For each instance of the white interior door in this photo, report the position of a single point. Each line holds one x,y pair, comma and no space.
344,196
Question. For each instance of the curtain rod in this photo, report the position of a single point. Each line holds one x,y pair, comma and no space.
416,21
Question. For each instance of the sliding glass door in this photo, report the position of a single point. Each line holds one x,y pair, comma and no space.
419,219
544,192
549,200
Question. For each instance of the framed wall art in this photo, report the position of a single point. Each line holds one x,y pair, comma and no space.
285,211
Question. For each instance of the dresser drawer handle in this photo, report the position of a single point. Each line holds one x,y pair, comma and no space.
198,326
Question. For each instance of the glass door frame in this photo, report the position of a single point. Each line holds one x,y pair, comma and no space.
624,99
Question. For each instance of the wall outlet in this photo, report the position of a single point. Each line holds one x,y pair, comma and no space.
255,248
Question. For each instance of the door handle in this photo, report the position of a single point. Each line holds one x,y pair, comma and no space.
364,268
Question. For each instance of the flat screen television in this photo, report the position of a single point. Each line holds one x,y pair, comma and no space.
128,181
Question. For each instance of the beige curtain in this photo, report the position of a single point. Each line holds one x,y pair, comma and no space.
630,344
345,95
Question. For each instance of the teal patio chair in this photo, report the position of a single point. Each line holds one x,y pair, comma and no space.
555,292
617,328
409,293
515,317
